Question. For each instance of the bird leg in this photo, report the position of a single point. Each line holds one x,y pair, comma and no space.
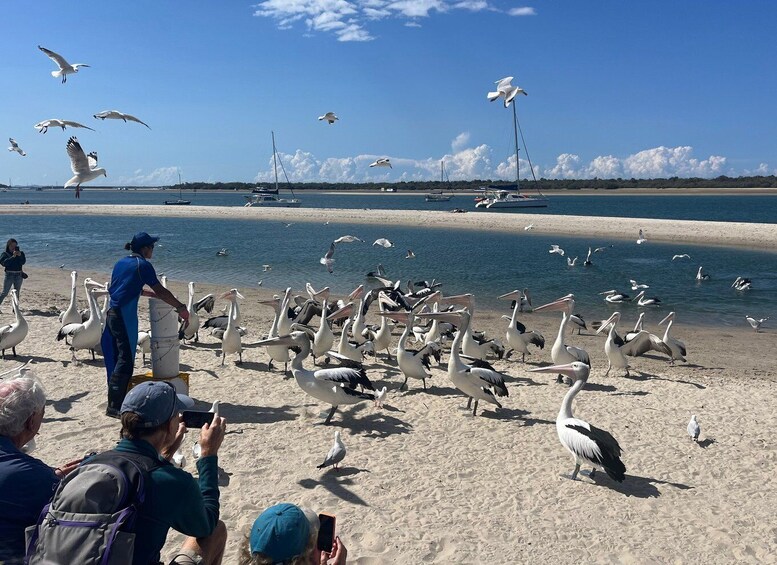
223,356
73,358
403,385
269,365
424,381
575,472
475,409
240,357
14,350
93,357
609,366
331,413
469,403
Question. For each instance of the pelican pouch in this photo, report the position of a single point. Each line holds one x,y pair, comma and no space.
91,518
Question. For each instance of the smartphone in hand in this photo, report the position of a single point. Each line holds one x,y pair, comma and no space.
194,419
326,532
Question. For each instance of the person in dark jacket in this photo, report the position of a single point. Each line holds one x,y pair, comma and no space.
12,259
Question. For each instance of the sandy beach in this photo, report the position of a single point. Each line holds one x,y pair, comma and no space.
426,482
732,234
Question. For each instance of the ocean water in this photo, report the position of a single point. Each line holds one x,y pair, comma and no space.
725,208
485,264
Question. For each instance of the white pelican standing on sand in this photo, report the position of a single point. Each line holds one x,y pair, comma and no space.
413,364
586,443
13,334
616,349
517,338
478,380
678,347
191,331
71,315
86,335
560,352
334,386
230,341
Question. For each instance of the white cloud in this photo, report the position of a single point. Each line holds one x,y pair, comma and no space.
162,176
460,142
524,11
347,19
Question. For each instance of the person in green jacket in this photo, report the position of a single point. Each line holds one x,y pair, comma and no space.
151,425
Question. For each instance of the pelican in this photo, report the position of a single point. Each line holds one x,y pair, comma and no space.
571,262
334,386
353,351
588,262
516,336
681,256
556,249
472,346
281,352
15,147
616,348
754,323
381,339
413,364
742,284
144,344
230,341
324,338
85,335
615,297
677,347
577,320
13,334
643,300
116,115
329,117
317,295
84,167
479,381
65,68
71,315
693,429
701,275
635,286
641,239
191,331
381,163
560,352
586,443
44,126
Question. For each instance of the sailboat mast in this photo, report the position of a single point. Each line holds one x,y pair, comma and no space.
442,170
179,185
274,162
515,134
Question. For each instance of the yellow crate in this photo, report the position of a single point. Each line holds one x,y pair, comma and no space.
181,382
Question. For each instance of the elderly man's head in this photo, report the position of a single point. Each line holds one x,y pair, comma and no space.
22,403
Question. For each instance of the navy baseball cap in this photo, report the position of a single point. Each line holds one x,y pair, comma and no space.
280,532
142,239
156,402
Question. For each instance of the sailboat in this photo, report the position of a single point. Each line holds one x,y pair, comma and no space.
268,197
438,195
510,196
179,201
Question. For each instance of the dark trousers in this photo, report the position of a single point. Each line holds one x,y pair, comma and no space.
125,360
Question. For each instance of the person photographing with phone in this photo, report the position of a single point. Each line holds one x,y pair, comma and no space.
12,259
120,338
291,535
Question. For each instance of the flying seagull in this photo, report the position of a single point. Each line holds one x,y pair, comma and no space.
335,455
44,126
84,166
410,254
383,242
15,147
382,163
506,90
347,239
755,323
641,239
116,115
65,68
327,259
329,117
556,249
683,256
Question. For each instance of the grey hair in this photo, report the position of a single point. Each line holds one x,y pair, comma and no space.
20,398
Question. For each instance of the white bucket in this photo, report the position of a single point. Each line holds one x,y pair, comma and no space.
164,320
165,356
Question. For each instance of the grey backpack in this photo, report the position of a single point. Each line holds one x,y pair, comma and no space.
91,518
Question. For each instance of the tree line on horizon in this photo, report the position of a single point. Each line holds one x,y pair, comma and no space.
540,184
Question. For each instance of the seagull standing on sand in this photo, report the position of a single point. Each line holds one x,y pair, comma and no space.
116,115
383,242
641,239
335,455
504,89
44,126
529,227
15,147
380,396
329,117
65,68
327,259
84,167
755,324
556,249
693,429
382,163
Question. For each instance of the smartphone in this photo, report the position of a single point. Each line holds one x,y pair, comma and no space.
326,532
194,419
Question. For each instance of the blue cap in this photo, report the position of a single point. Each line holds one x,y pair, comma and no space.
155,402
280,532
142,239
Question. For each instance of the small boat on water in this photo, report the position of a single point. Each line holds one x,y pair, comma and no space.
268,197
438,195
178,201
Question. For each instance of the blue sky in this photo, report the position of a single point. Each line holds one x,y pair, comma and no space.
625,89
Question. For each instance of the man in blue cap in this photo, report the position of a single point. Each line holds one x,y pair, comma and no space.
120,337
151,426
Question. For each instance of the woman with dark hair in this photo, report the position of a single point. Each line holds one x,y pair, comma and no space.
120,337
12,259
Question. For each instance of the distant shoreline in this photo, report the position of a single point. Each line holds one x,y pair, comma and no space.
725,234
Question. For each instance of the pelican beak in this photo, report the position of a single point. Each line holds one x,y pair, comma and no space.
458,300
669,316
343,312
608,322
240,296
567,370
514,295
450,317
384,299
287,340
401,317
425,300
556,305
357,292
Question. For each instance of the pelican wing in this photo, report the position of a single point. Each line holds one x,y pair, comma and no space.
56,57
344,361
536,338
579,354
490,378
358,394
598,446
69,330
346,375
206,303
477,363
520,327
78,161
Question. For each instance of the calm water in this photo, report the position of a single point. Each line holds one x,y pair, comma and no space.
486,264
749,208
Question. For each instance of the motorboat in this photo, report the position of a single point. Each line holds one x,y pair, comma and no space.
268,197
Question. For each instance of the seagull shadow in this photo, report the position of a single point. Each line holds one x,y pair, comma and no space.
257,366
189,369
596,387
33,358
514,414
336,481
43,313
247,414
526,381
634,393
375,424
639,487
643,376
63,405
430,389
706,442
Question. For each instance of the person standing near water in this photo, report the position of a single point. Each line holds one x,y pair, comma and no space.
12,259
120,337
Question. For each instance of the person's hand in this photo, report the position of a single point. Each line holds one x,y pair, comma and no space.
148,293
16,253
169,450
336,556
211,435
64,470
184,315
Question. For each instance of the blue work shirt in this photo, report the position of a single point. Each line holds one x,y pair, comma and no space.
127,280
26,486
